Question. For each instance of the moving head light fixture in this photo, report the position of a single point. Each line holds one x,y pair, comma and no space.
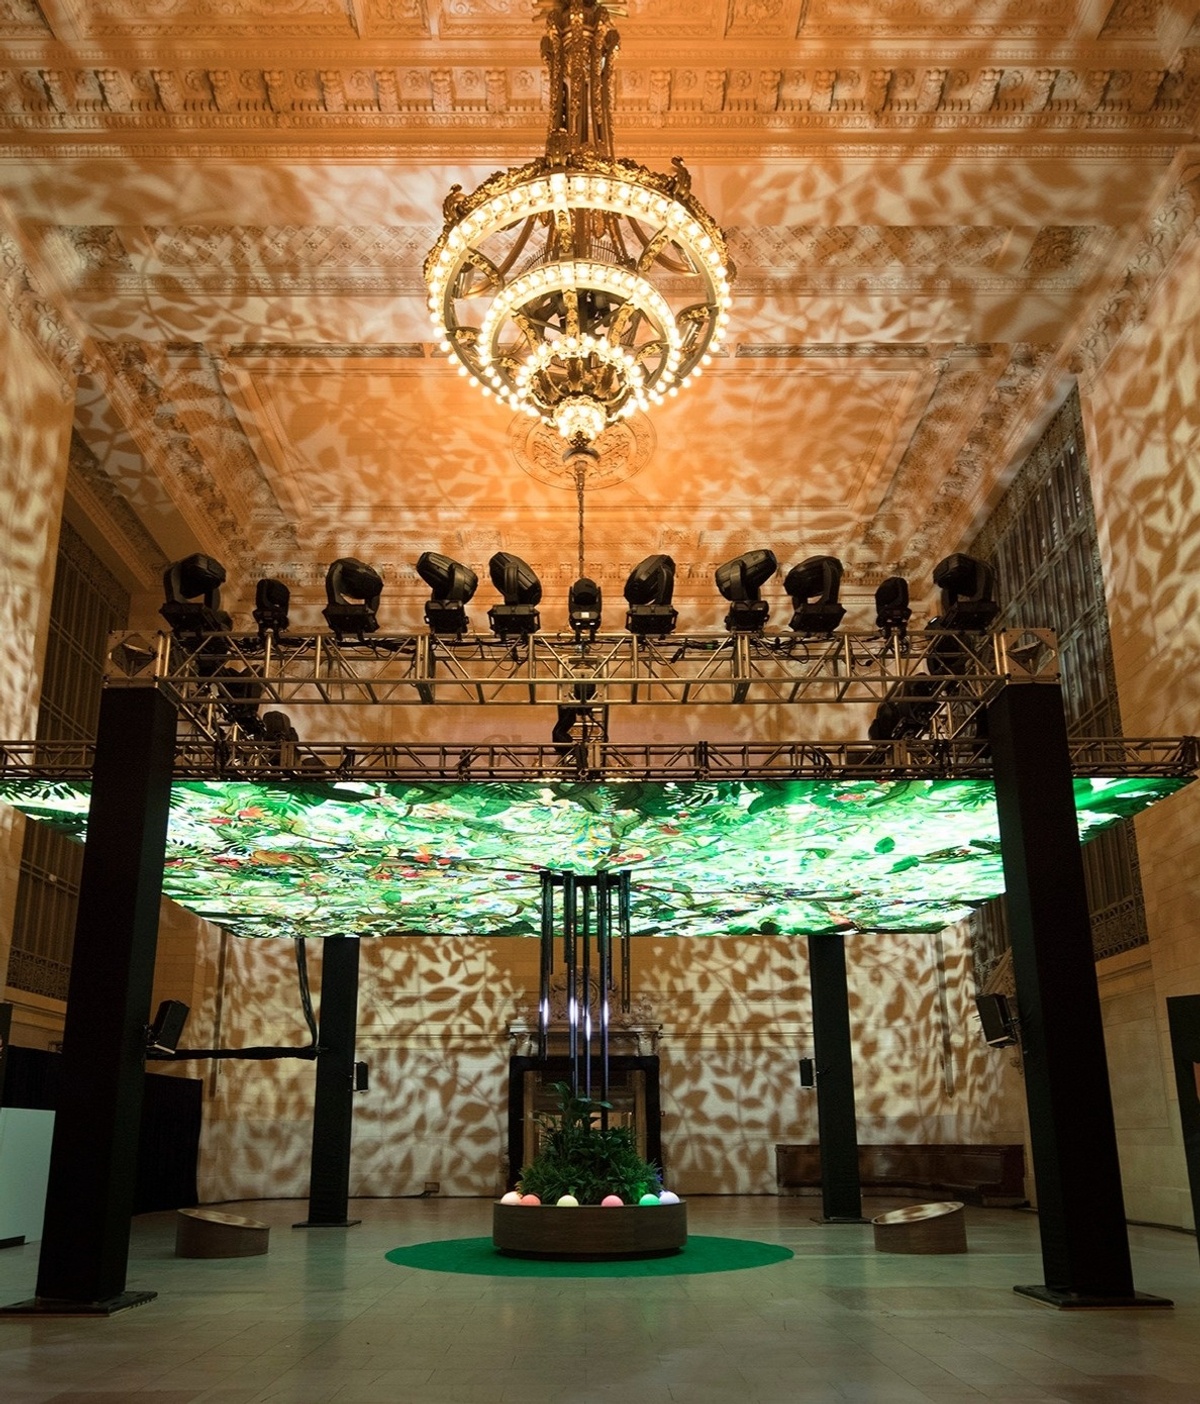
891,606
353,589
522,591
584,602
271,601
452,585
813,588
648,593
966,585
192,588
740,581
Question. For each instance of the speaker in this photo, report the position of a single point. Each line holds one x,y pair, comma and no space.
164,1033
361,1077
998,1022
808,1073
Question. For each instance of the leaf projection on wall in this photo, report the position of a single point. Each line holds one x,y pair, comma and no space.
708,858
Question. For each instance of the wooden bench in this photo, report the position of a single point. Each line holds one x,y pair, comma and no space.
209,1233
975,1174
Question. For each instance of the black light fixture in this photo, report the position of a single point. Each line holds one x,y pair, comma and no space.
164,1033
648,593
353,589
584,602
271,600
522,591
813,588
891,606
277,727
452,585
193,597
740,581
999,1022
966,585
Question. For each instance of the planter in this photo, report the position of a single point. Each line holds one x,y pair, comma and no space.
588,1233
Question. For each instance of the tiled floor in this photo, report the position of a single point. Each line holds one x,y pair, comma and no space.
324,1317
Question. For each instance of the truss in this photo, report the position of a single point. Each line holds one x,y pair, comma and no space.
198,758
942,678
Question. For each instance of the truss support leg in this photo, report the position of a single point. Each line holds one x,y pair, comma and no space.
333,1110
1081,1210
93,1160
837,1130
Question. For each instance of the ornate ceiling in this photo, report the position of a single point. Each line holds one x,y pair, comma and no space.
216,211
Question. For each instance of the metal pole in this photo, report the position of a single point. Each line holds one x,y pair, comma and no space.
569,953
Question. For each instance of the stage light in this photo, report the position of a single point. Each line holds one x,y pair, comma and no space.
452,584
353,589
522,591
891,606
966,586
584,601
271,600
277,727
648,593
813,588
193,597
999,1022
242,695
740,582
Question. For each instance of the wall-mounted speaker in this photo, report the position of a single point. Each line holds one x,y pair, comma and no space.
999,1023
165,1032
808,1073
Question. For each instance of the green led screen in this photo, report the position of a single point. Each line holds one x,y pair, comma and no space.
794,857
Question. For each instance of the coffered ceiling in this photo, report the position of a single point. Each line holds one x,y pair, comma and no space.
216,211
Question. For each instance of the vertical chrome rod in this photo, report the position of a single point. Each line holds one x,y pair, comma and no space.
569,953
546,964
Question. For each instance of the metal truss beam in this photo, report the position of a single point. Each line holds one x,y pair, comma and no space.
944,677
199,758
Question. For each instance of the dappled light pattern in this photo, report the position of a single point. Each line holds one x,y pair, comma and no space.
735,1014
794,857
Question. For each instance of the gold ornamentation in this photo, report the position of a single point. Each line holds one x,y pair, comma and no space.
546,282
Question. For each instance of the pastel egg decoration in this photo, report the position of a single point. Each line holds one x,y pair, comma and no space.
530,1199
512,1197
668,1197
612,1201
567,1201
648,1199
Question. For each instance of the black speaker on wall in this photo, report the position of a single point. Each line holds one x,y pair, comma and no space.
997,1020
808,1073
165,1032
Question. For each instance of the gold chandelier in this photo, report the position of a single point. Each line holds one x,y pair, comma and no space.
579,288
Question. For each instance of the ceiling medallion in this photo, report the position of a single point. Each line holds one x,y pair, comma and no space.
623,451
579,288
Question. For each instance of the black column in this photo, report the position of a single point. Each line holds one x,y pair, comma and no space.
333,1111
1081,1210
93,1160
837,1130
1183,1019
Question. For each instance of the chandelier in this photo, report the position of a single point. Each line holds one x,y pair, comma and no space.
579,288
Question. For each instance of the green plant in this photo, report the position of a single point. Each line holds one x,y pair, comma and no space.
585,1159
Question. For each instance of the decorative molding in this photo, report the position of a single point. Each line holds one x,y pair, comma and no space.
1124,308
624,448
36,317
112,516
1020,95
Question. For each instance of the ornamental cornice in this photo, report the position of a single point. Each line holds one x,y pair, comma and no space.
112,515
1126,305
37,319
959,94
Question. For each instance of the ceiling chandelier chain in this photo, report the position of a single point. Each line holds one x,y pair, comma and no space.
580,287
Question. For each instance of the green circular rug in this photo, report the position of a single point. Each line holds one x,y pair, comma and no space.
477,1256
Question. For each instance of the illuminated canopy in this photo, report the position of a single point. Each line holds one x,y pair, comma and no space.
792,857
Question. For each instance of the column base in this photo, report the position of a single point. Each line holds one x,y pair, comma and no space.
838,1219
1074,1301
328,1223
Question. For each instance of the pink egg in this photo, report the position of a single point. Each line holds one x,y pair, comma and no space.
530,1199
612,1201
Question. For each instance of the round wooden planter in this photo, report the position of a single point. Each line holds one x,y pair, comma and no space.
588,1233
922,1228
